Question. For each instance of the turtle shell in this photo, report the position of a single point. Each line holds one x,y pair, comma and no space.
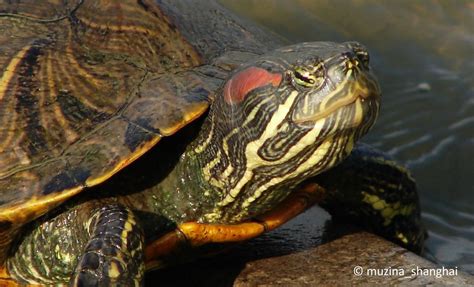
85,89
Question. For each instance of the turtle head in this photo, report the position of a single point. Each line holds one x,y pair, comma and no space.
290,114
306,84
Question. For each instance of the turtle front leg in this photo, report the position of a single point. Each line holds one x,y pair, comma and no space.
197,234
114,253
371,190
91,244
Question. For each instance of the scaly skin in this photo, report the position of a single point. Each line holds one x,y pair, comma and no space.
240,155
371,190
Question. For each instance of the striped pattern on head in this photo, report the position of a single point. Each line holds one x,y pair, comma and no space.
289,115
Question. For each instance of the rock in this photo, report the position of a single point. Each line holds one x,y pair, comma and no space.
376,261
334,263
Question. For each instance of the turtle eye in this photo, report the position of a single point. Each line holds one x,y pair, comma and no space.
363,57
308,77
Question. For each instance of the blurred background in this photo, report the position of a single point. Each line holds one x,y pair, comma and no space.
423,55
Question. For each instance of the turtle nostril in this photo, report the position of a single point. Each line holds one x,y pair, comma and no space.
352,63
351,60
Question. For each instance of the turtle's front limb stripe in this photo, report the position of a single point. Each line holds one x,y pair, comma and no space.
114,253
196,234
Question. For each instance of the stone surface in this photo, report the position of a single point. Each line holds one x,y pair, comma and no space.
334,264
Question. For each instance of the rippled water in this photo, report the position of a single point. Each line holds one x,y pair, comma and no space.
423,54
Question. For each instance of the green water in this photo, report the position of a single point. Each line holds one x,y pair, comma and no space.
423,54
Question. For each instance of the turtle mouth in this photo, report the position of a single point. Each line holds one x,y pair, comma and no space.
360,93
357,100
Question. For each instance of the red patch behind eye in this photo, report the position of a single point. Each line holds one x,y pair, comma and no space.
237,88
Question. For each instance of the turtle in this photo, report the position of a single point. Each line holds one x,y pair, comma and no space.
137,134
